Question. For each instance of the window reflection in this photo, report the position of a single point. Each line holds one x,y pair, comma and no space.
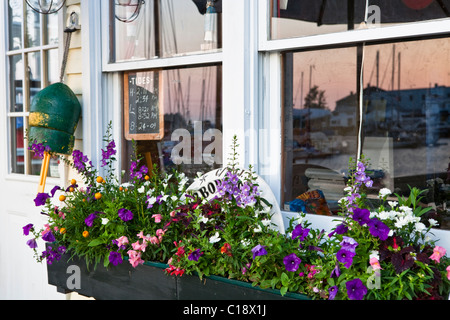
296,18
320,133
17,145
16,80
33,28
405,114
167,28
406,117
192,123
15,24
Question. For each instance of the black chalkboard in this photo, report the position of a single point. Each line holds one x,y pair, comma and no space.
143,111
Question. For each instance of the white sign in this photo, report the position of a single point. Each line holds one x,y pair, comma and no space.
206,187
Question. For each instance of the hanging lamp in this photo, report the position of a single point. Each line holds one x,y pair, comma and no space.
127,10
45,6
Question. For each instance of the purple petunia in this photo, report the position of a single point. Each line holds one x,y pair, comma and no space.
361,216
349,244
292,262
32,243
378,229
336,272
259,250
49,237
195,255
332,291
41,199
115,258
340,229
90,219
356,290
53,191
301,232
125,214
346,257
27,228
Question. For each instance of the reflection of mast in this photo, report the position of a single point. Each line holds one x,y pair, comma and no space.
399,68
393,68
378,68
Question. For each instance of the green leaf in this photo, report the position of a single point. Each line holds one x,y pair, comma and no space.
283,290
95,242
284,279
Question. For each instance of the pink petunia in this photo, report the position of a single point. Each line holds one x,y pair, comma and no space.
157,217
438,253
375,263
135,258
448,272
138,246
122,241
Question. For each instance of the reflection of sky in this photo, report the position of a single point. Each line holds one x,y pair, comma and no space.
334,70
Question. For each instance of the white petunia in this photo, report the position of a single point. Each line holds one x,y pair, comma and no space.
203,219
419,227
215,238
257,229
266,222
393,204
384,192
433,223
105,221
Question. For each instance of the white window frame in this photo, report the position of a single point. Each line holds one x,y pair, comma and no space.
272,49
5,89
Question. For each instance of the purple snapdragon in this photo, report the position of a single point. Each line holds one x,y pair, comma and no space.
110,151
80,160
136,172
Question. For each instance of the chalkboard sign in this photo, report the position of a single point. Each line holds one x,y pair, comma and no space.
143,107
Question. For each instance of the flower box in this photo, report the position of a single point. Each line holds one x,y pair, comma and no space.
150,282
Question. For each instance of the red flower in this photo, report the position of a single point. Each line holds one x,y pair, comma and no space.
226,249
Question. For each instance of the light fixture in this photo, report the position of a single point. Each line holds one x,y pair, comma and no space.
45,6
127,10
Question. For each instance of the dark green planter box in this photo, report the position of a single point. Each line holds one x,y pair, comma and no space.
150,282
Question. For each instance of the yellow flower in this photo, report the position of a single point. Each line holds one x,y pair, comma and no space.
62,231
73,182
85,233
62,197
99,179
98,195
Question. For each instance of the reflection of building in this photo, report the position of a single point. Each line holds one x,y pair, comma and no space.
411,116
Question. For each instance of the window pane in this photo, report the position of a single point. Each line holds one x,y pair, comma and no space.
296,18
16,82
15,24
192,122
33,28
320,116
34,73
52,29
165,28
17,145
53,69
406,117
184,29
36,165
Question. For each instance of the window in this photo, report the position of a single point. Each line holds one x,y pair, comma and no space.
296,18
32,45
406,128
155,39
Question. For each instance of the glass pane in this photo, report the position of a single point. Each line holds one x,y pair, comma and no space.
192,122
296,18
15,24
53,69
17,145
181,27
16,83
52,29
33,28
188,27
134,40
406,118
36,166
34,73
320,116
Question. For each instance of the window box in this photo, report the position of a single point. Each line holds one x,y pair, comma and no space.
150,282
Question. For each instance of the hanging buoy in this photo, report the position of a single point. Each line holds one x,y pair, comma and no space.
54,115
